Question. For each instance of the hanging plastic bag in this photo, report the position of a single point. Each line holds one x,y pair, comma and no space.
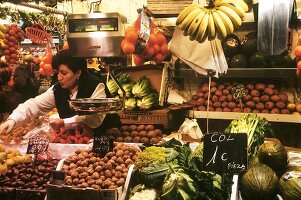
191,128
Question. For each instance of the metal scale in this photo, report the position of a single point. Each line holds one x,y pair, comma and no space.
96,35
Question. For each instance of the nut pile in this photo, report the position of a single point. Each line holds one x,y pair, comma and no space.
29,175
84,169
136,134
261,98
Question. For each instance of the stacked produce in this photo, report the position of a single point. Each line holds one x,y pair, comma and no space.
265,179
139,95
298,54
28,175
20,130
154,49
11,157
172,171
85,169
243,53
13,35
133,133
79,135
261,98
45,64
218,19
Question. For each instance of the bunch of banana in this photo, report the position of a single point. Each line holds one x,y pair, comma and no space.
3,31
216,20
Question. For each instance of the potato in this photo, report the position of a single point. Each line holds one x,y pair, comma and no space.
125,134
218,93
285,111
255,93
236,110
136,139
154,141
141,127
123,128
280,105
128,139
217,105
151,134
231,105
200,94
116,132
271,86
229,97
275,111
204,89
149,128
264,98
201,108
142,133
226,92
275,98
218,109
291,107
200,102
265,111
250,86
144,140
269,91
259,106
213,90
222,98
214,98
260,87
256,99
283,97
158,132
206,95
229,87
134,134
132,128
247,110
256,111
224,104
210,103
269,105
227,109
221,87
211,108
247,98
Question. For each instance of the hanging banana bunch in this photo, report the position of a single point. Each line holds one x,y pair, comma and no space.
218,19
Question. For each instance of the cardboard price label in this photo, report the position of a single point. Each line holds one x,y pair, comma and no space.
239,92
225,152
37,145
102,145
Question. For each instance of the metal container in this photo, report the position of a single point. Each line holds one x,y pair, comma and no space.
95,34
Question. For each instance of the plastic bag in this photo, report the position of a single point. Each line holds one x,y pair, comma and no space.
191,128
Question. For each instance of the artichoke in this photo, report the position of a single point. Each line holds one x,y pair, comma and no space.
112,86
130,104
148,101
142,87
122,79
127,88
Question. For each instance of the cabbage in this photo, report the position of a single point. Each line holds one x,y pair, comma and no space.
148,101
290,185
130,104
142,87
127,88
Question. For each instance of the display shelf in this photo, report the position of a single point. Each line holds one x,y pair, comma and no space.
244,73
235,115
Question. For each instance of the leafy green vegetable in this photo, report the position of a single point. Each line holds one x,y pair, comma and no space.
127,88
148,101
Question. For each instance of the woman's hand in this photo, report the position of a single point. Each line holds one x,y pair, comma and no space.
7,126
57,124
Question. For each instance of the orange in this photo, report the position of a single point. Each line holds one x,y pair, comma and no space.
158,58
138,59
156,48
65,46
298,51
161,38
128,48
131,36
299,32
152,39
131,29
299,40
163,49
148,52
122,43
299,64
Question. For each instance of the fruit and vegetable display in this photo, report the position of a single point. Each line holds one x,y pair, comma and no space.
242,53
298,55
28,175
11,36
85,169
260,98
20,130
79,135
140,95
173,171
217,19
152,48
136,133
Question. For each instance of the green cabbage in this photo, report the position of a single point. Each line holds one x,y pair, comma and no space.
127,88
142,87
130,104
148,101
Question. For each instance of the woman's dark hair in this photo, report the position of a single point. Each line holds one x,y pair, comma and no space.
74,63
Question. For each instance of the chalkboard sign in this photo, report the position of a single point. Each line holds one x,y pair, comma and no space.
239,92
102,145
225,152
37,145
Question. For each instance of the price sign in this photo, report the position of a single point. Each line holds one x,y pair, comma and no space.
37,145
239,92
225,152
102,145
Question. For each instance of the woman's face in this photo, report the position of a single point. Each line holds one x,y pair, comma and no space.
67,78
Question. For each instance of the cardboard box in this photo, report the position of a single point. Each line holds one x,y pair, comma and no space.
157,74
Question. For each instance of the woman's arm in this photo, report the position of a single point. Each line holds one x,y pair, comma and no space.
92,121
34,107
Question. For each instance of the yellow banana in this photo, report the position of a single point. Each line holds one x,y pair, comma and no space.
185,12
211,27
227,21
235,7
196,22
203,28
188,20
219,24
235,18
242,4
3,29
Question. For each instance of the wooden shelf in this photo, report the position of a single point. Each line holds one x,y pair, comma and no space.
235,115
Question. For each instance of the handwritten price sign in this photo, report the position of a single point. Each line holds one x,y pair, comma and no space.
37,145
225,152
102,145
239,92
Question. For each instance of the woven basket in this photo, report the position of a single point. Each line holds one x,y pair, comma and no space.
37,35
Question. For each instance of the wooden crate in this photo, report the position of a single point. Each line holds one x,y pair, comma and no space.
167,8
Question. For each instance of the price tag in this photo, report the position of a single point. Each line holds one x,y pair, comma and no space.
239,92
225,152
102,145
37,145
